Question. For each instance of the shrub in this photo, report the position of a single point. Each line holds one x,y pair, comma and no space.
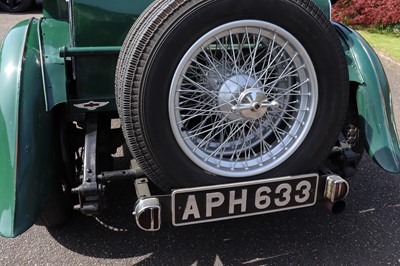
375,13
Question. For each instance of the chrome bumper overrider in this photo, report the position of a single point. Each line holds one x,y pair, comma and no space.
150,211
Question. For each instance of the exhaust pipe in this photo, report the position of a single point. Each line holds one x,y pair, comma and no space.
336,189
334,207
148,214
147,209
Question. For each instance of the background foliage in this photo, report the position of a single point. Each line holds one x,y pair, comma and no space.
381,14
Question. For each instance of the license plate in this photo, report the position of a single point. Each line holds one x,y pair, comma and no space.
228,201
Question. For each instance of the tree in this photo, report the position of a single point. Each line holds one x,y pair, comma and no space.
375,13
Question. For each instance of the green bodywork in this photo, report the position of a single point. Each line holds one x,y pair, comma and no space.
102,24
325,6
55,9
40,57
373,100
53,35
27,158
106,24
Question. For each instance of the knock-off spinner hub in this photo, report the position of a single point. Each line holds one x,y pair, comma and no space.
241,97
251,104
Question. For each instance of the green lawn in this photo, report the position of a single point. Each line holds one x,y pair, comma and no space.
389,44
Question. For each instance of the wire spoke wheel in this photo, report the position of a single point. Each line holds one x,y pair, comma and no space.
212,92
243,98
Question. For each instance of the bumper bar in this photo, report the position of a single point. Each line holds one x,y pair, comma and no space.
151,211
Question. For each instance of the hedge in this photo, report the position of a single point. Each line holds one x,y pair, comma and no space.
368,13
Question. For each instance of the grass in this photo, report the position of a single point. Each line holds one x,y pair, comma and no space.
388,43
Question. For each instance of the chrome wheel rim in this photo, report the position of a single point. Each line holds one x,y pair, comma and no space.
243,98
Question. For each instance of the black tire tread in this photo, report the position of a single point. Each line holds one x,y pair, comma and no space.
25,5
135,53
56,210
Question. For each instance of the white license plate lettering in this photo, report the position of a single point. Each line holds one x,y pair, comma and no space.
213,200
191,208
304,187
284,191
242,199
237,201
263,199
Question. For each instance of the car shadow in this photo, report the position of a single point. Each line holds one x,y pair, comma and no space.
300,236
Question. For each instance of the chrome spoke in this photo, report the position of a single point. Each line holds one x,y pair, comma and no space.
243,98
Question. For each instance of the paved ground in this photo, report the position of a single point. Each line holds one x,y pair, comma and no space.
367,233
392,69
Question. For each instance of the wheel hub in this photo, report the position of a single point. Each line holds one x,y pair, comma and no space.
240,97
251,104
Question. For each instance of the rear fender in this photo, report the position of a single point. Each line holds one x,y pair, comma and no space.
325,6
373,100
27,154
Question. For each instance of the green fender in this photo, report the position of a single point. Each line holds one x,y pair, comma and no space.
325,6
27,153
373,100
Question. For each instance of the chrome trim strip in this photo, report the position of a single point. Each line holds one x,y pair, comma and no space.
41,61
330,10
71,34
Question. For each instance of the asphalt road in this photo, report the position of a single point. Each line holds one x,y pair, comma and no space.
367,233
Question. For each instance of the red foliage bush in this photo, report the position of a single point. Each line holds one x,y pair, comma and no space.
367,12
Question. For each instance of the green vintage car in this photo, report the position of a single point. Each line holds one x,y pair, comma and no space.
231,108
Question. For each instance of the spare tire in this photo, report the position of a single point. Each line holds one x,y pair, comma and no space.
231,90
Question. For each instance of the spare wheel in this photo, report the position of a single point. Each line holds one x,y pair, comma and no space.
231,90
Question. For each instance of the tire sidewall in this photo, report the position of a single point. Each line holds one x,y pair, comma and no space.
25,4
186,28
